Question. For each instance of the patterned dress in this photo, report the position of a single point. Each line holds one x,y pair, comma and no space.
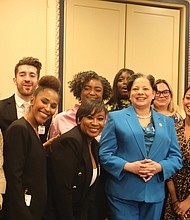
182,178
120,104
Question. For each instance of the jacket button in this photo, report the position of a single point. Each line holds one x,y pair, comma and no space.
80,174
74,187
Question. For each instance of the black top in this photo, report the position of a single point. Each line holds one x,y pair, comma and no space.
71,174
25,170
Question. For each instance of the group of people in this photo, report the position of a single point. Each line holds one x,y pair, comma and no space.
110,157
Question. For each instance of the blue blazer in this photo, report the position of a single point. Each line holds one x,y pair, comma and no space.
123,141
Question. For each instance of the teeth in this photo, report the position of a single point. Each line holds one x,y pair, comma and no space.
44,115
93,129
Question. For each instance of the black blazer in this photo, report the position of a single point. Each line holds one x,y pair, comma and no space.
8,114
71,172
25,171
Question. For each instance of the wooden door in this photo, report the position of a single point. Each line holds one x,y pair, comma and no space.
94,40
152,43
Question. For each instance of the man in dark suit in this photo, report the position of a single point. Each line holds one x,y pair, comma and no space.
27,73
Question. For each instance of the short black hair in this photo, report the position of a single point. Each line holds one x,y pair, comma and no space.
141,75
88,107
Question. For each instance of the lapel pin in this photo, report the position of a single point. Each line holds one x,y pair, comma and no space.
160,124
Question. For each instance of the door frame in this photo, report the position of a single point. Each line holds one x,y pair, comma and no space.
182,5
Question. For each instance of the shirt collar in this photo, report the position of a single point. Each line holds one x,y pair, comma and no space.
18,100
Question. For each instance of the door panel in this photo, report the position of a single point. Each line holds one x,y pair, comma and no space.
95,37
152,42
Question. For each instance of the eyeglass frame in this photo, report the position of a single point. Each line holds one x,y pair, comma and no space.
166,91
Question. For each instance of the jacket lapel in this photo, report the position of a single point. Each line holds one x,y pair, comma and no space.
88,166
136,128
158,125
11,108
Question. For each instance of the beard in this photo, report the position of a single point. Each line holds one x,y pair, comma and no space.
26,91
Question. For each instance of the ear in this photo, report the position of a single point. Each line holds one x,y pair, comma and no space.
154,93
14,81
78,122
32,99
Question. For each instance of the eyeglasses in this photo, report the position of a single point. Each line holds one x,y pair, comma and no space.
165,93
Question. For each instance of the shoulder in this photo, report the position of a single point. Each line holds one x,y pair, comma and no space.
73,135
180,125
69,141
19,125
6,101
160,115
69,113
163,119
122,112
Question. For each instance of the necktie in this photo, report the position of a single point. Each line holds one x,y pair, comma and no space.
26,107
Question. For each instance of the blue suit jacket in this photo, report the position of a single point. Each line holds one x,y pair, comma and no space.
123,141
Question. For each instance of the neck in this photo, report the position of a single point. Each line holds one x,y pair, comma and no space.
143,113
144,116
187,121
25,98
29,117
163,111
161,108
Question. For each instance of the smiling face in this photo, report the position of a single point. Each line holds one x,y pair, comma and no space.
141,94
92,90
162,101
186,103
93,124
122,84
26,81
44,106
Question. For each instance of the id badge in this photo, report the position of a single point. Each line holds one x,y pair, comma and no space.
41,129
27,198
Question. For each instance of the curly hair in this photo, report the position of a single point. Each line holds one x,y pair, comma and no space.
80,79
29,61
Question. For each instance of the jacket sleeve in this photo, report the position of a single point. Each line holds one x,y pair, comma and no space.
2,175
108,148
173,161
15,155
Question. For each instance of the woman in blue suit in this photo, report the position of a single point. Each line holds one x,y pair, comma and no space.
139,150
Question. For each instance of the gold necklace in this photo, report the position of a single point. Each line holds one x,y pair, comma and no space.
144,117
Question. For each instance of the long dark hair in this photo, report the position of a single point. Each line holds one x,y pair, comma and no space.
115,96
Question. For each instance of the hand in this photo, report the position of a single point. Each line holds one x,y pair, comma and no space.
181,208
49,142
144,168
148,168
1,201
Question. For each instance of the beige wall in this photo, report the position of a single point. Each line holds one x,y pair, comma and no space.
26,30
